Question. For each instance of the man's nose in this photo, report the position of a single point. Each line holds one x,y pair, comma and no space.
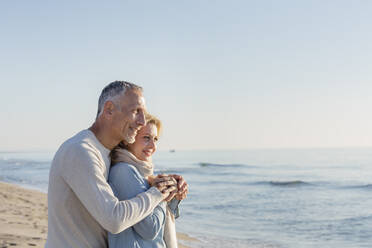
141,119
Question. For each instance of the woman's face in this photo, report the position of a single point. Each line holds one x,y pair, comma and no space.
145,144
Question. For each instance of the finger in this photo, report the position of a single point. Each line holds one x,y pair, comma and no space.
181,183
150,179
181,196
170,197
175,191
170,179
161,188
174,188
163,175
160,180
174,180
166,183
184,188
175,176
169,189
180,180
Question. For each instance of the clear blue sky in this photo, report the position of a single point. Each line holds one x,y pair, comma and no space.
220,74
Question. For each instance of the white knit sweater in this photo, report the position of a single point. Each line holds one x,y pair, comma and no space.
81,204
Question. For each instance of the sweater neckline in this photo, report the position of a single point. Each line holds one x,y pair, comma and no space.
102,147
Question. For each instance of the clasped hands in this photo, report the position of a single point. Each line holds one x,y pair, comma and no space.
170,186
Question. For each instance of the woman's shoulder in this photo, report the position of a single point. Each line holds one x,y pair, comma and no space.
123,166
123,169
126,176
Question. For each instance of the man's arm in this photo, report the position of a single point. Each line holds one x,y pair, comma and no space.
84,174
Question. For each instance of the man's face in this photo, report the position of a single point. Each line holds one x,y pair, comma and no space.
129,117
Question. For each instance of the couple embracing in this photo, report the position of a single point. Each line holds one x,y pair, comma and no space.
102,190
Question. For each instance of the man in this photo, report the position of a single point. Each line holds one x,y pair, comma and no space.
81,204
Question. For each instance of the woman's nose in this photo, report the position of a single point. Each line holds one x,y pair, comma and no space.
152,144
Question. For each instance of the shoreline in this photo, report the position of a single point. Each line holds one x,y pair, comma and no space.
24,218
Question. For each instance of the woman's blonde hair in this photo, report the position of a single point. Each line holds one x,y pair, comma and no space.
150,119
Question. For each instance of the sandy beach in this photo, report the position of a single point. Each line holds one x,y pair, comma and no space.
23,218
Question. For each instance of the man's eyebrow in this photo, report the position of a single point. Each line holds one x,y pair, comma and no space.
134,105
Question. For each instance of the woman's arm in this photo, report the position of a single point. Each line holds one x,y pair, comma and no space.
173,206
126,183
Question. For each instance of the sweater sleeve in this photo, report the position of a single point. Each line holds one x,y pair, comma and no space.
174,207
127,183
84,175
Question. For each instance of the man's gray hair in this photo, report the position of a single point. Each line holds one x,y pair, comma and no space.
112,91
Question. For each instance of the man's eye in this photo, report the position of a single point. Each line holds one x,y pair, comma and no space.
156,139
146,137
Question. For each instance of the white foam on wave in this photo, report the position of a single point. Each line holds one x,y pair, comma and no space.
216,242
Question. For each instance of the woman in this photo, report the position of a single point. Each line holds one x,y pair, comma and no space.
129,175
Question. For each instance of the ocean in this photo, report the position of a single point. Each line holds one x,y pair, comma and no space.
276,198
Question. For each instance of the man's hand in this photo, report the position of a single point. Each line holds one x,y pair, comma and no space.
167,185
183,187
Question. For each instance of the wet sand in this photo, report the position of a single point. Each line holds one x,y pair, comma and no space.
23,218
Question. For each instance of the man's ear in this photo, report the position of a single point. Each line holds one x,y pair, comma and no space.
108,109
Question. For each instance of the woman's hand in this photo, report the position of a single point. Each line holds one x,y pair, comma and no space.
166,184
183,187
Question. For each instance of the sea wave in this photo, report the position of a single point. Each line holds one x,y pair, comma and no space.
359,218
362,186
23,180
204,164
270,183
174,170
299,183
203,241
23,162
292,183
